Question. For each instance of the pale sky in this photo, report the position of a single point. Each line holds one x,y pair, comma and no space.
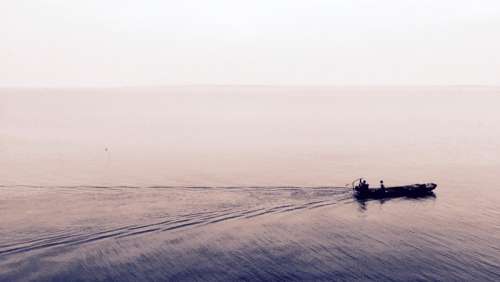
270,42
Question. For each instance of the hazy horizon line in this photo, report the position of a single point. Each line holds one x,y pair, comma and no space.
35,87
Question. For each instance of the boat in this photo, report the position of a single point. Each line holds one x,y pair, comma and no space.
413,190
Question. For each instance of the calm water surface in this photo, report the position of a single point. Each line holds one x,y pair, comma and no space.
246,183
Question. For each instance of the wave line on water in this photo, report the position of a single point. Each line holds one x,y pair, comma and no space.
281,187
169,223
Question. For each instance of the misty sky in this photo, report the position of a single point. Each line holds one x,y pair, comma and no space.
280,42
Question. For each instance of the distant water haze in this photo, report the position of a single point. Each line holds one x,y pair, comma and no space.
247,135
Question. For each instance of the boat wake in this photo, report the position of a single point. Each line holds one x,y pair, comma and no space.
266,201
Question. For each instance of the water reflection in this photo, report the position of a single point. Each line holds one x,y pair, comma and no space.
362,201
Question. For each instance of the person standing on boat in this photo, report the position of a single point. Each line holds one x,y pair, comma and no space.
364,185
382,186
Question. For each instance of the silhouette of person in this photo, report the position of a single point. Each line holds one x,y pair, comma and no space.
382,186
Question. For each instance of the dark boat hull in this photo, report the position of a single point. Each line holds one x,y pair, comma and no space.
414,190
